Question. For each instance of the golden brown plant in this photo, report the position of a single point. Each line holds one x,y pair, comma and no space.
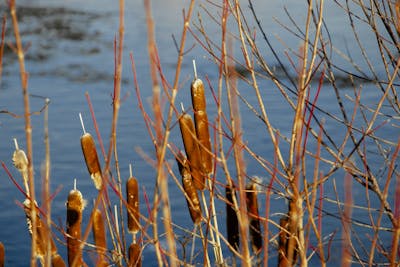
75,206
232,224
254,217
132,199
191,196
91,159
2,254
99,236
192,150
201,123
135,255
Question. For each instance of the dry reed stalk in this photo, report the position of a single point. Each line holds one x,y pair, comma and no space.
254,217
2,254
132,199
192,150
161,147
346,221
99,236
135,258
28,127
3,34
91,159
191,195
75,206
46,185
396,231
201,122
235,128
232,224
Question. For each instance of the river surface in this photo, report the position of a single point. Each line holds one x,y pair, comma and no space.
70,52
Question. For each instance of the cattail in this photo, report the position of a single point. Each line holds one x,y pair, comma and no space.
192,199
135,259
99,236
20,162
132,198
254,219
2,254
75,206
192,150
293,232
57,261
397,21
232,223
90,154
201,122
41,235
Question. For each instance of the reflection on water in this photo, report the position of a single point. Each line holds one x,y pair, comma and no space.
70,52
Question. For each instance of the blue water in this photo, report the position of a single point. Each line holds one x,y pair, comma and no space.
63,68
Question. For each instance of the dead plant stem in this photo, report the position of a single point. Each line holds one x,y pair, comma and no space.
28,127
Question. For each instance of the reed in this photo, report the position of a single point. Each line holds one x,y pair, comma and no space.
307,158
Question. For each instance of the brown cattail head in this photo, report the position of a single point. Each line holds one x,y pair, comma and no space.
99,234
201,123
192,197
293,232
132,199
92,161
57,261
192,150
2,254
254,219
232,223
397,18
75,206
135,257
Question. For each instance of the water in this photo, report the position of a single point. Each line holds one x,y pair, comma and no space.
71,52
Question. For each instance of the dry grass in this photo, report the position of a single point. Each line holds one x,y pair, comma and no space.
307,157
